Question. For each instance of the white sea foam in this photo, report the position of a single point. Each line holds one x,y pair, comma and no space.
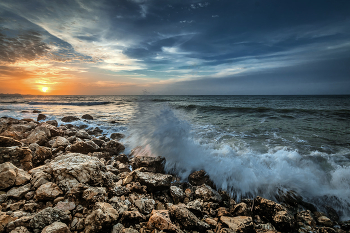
242,173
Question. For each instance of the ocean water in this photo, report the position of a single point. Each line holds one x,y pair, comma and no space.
249,145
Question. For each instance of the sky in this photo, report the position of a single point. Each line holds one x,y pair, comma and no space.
175,47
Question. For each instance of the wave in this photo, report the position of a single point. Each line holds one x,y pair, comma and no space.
241,173
70,103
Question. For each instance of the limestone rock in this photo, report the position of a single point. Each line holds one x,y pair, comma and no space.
69,119
84,147
48,216
238,224
8,142
21,157
60,141
160,220
153,180
56,227
11,175
206,193
155,164
186,218
18,192
47,191
113,147
104,215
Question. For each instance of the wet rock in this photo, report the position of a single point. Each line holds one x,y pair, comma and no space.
47,191
103,216
42,153
84,147
283,221
73,168
177,194
199,178
41,117
153,180
206,193
332,213
160,220
21,157
39,135
52,122
113,147
95,194
60,141
69,119
11,175
22,221
155,164
195,206
120,190
12,134
186,218
36,111
117,136
19,192
266,208
289,197
83,134
87,117
241,209
48,216
56,227
238,224
8,142
20,230
324,221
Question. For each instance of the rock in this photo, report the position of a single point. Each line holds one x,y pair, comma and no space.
186,218
332,213
73,168
52,122
83,134
132,217
40,176
283,221
60,141
42,153
87,117
47,191
95,194
30,207
11,175
177,194
16,206
4,220
118,228
21,157
36,111
160,220
155,164
22,221
325,221
289,197
77,224
241,209
153,180
120,190
56,227
41,117
238,224
206,193
18,192
117,136
195,206
84,147
48,216
103,216
63,205
8,142
53,129
113,147
39,135
145,205
199,178
211,222
20,230
69,119
266,208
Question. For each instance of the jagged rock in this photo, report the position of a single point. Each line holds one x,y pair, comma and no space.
114,147
206,193
11,175
40,176
53,129
199,178
153,180
238,224
118,228
283,221
21,157
266,208
120,190
56,227
41,117
19,192
154,164
324,221
177,194
211,222
8,142
145,205
186,218
132,217
84,147
160,220
195,206
117,136
223,211
95,194
22,221
16,206
48,216
65,205
241,209
20,230
69,119
304,218
77,224
83,134
60,141
119,204
87,117
41,154
30,207
4,220
39,135
104,215
47,191
73,168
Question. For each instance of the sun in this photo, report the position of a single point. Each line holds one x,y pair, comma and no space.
44,89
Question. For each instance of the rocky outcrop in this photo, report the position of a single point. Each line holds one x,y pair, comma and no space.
186,218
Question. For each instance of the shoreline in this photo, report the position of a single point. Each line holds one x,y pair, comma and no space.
80,181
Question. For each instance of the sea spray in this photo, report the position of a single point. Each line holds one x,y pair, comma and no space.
245,174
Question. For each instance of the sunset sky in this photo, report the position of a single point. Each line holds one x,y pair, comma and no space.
113,47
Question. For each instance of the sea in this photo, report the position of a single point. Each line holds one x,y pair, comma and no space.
248,145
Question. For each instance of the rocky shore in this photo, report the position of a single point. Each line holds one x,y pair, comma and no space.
70,179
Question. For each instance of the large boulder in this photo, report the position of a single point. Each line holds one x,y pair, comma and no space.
48,216
102,217
7,142
21,157
154,164
186,218
10,175
153,180
83,134
84,147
